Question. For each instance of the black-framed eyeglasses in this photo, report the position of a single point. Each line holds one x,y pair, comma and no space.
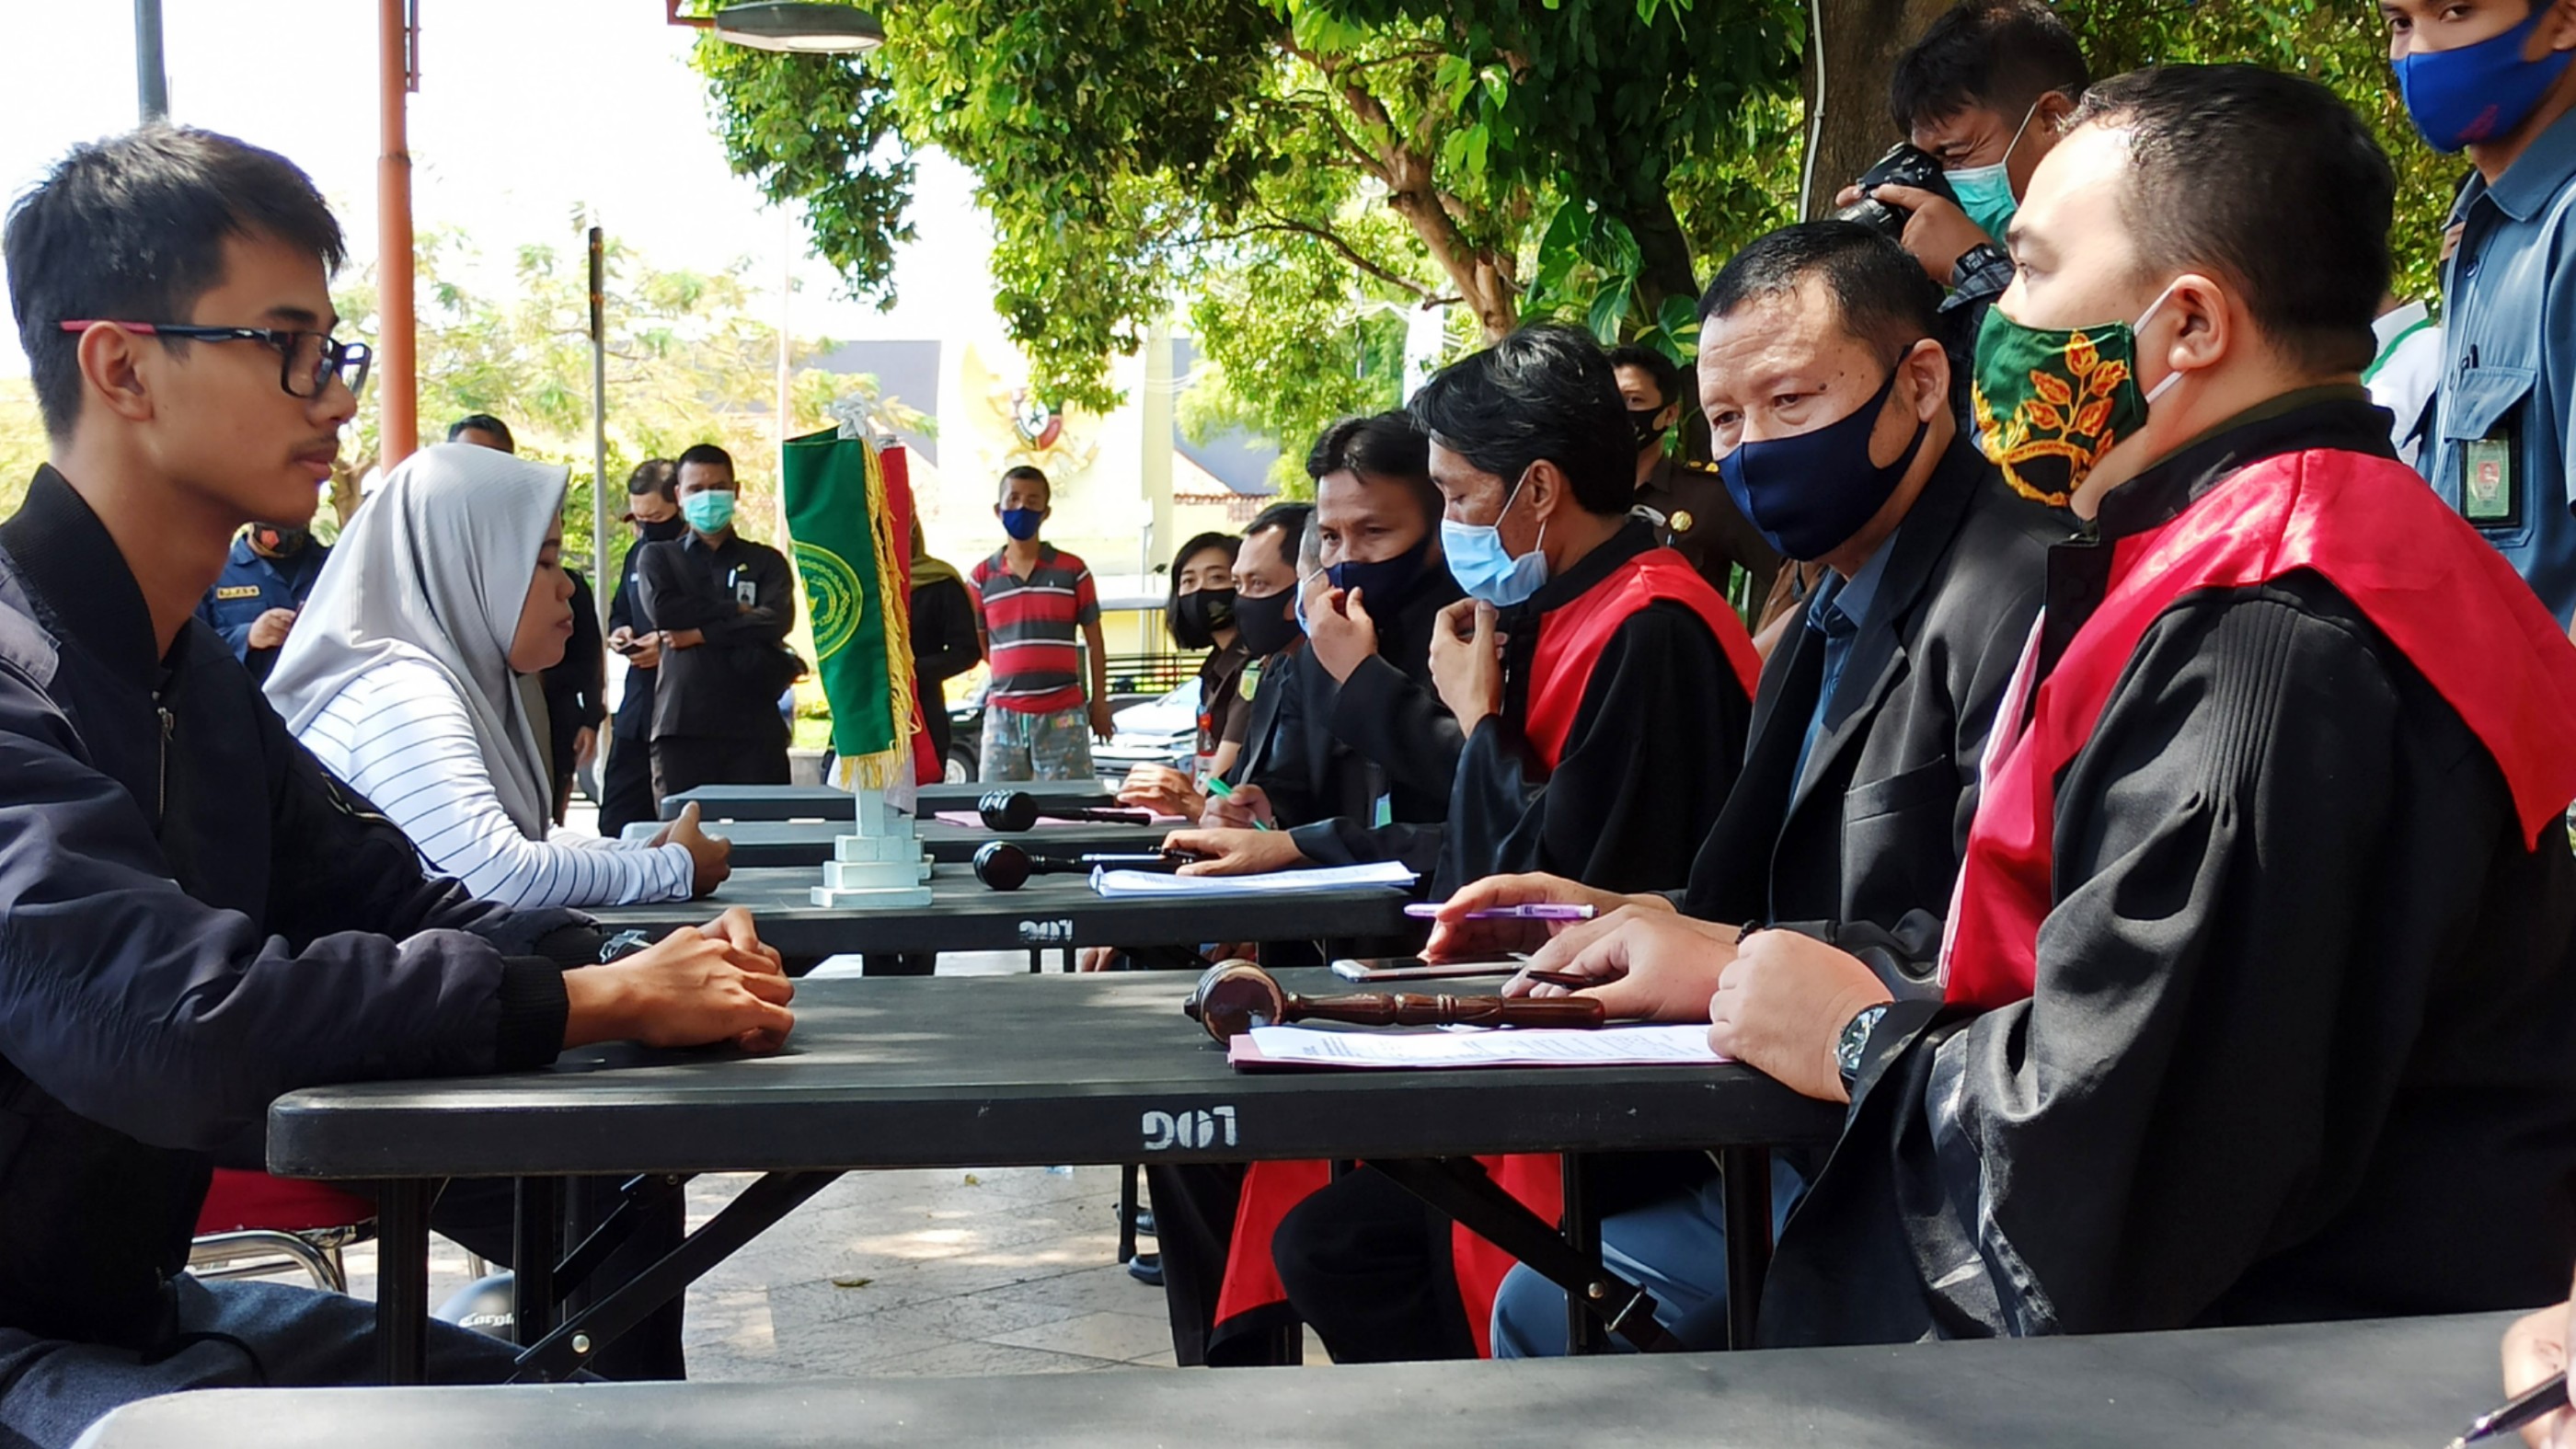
308,359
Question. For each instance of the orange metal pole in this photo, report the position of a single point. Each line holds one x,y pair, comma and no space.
397,354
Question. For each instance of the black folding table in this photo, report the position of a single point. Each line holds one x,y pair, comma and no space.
1008,1071
825,802
762,844
2389,1384
1050,912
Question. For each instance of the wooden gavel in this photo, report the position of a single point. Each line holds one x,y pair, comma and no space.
1017,810
1233,997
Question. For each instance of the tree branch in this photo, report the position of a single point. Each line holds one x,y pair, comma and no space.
1327,237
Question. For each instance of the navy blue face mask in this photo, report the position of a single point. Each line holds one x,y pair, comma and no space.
1807,494
1383,580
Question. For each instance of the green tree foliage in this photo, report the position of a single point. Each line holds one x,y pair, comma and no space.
1294,173
688,362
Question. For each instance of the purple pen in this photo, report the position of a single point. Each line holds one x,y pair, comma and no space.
1534,911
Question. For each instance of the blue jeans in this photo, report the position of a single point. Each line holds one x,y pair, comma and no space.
229,1336
1674,1248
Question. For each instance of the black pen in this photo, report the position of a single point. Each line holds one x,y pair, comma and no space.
2541,1399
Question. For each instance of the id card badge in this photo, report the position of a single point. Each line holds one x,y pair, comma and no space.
1382,812
746,592
2487,496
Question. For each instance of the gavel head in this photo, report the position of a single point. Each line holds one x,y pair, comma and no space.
1233,997
1003,866
1012,810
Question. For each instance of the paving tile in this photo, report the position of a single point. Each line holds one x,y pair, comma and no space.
958,1359
1120,1336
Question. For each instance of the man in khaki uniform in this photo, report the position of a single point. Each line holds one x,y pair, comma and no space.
1687,502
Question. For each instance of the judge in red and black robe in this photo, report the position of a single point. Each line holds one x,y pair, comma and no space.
1604,697
2261,981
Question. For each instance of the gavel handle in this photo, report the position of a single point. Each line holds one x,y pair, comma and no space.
1382,1008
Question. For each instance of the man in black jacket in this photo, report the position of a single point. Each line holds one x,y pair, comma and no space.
722,606
1858,785
1362,751
194,917
626,780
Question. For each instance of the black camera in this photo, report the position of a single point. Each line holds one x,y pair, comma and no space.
1903,165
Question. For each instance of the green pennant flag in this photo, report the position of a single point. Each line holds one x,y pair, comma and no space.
841,524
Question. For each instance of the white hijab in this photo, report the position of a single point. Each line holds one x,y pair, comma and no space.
435,568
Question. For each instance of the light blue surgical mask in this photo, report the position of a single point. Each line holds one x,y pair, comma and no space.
1985,192
708,512
1486,569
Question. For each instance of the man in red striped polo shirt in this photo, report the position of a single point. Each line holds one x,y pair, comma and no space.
1033,596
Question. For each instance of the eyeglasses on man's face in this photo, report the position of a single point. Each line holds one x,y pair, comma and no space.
307,360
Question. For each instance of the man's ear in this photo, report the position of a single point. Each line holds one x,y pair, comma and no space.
1927,365
1547,489
2561,27
111,366
2053,109
2208,324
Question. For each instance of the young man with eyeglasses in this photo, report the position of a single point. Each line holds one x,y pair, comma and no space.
194,917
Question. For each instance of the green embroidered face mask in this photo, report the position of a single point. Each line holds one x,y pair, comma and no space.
2051,401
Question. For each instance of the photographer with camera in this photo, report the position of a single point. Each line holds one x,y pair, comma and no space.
1979,98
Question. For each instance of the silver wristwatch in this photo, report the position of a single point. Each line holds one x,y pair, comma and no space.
1855,1040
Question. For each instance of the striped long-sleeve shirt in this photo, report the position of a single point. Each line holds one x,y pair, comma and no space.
401,737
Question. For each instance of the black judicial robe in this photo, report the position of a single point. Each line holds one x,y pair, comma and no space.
1655,745
2303,1043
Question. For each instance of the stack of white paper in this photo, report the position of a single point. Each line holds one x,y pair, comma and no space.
1277,882
1610,1046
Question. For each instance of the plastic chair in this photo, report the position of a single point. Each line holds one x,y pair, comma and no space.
254,1224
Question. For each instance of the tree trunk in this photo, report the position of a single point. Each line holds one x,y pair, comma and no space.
1663,252
1482,276
1847,123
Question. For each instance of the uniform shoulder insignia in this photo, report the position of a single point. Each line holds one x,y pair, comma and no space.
1681,520
1695,466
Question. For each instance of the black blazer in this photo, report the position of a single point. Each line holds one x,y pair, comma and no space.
1869,842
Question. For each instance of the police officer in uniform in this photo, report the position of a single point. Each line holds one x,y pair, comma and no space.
1686,502
265,581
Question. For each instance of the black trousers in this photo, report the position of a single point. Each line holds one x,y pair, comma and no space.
1367,1265
1194,1206
684,762
626,779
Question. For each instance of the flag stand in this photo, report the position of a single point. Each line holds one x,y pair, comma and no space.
881,866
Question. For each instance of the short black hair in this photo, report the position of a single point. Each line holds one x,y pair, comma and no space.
482,423
132,229
2000,54
1882,293
1388,447
1290,519
655,475
1023,470
1666,372
705,455
2267,179
1233,549
1545,391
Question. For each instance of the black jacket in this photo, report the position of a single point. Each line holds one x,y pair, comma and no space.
1336,749
943,646
575,688
727,687
1657,739
2299,1047
194,919
1869,842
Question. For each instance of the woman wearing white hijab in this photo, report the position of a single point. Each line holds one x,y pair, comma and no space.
402,677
